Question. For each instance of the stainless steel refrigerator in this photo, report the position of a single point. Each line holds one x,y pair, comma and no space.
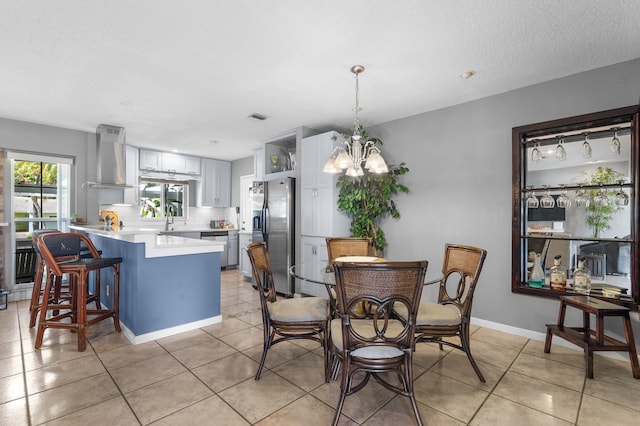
274,222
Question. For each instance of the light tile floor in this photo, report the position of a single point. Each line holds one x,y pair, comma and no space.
206,377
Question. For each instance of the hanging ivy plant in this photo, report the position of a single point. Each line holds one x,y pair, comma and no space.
369,198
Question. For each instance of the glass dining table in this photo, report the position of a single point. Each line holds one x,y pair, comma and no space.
316,272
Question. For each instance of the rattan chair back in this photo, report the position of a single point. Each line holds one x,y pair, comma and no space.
461,269
261,267
347,246
378,286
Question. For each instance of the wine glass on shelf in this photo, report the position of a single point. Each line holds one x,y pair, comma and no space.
601,200
582,199
622,198
547,201
615,142
563,201
586,147
532,200
536,153
561,152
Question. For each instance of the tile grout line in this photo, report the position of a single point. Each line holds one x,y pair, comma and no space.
24,367
115,383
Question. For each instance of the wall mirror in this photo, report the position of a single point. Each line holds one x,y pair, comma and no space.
575,186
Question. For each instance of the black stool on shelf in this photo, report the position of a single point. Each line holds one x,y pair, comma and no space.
62,254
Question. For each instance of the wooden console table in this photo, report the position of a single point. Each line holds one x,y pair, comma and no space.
594,340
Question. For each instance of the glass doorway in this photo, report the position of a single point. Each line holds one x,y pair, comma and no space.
40,199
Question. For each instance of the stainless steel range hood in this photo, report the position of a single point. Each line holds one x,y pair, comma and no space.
111,157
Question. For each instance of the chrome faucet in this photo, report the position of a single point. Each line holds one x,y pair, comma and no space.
169,218
107,222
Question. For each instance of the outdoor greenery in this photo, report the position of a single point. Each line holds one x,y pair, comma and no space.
28,172
599,216
368,199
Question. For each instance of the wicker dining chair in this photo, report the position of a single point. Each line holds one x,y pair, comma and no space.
286,319
347,246
451,316
341,247
376,343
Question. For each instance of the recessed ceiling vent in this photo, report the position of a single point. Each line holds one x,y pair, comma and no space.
257,117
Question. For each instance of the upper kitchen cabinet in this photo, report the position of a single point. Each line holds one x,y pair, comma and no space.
320,214
279,155
150,161
575,186
180,164
215,184
168,162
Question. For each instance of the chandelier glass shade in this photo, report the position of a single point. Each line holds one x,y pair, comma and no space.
357,152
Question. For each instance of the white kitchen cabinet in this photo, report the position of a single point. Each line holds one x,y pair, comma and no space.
320,215
150,160
180,164
245,263
192,165
215,184
313,249
169,162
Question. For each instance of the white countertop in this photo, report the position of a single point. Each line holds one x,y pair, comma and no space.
156,245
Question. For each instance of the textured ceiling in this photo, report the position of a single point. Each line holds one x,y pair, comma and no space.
179,75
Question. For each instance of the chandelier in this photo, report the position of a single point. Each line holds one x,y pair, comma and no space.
357,150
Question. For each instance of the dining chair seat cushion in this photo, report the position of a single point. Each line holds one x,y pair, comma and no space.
432,314
364,328
299,309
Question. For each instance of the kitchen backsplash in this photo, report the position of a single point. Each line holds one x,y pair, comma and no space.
198,217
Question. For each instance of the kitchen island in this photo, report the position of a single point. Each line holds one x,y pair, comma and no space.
168,284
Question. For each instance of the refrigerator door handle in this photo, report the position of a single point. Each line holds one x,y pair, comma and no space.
265,224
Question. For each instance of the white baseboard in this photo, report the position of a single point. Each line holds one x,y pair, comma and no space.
535,335
166,332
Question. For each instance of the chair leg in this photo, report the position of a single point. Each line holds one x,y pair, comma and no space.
408,368
96,290
265,348
344,387
464,340
327,354
116,297
34,307
81,311
43,312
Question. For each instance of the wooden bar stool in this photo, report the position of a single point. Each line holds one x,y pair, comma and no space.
61,292
61,253
594,340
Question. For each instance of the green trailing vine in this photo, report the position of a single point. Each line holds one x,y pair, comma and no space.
369,198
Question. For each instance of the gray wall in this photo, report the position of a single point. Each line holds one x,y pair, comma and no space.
460,180
241,167
41,139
